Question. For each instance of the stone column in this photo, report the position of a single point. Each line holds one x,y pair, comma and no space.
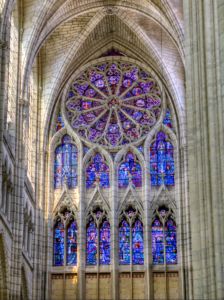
204,48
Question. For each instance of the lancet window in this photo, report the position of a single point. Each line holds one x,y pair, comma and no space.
164,244
168,119
130,171
98,238
59,122
65,239
162,161
131,240
66,163
97,172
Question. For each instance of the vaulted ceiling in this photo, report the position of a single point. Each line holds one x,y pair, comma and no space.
66,34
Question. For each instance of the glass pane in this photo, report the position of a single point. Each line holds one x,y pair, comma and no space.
105,243
91,244
72,244
58,244
137,243
129,168
97,171
124,243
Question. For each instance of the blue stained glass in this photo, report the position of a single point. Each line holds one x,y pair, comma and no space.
130,168
171,243
59,123
105,243
91,243
58,244
158,240
162,161
97,171
72,244
124,243
137,243
66,163
168,119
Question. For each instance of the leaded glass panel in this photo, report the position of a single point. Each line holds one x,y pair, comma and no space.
91,243
72,244
157,242
137,243
171,243
59,122
160,235
130,170
168,119
105,243
162,161
97,171
113,104
124,243
58,244
66,163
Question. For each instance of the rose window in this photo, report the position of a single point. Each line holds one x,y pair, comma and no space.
113,104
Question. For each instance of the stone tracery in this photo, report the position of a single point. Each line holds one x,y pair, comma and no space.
113,104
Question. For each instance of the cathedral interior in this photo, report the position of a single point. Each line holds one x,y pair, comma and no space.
111,149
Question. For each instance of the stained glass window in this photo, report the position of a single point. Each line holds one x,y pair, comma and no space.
91,243
161,235
130,169
171,243
137,243
59,122
97,171
157,242
168,119
162,161
58,244
124,243
72,244
105,243
65,166
113,104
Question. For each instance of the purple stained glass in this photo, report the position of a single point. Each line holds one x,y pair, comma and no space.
137,243
71,256
162,161
159,236
124,243
59,123
91,243
130,170
105,243
113,104
168,119
97,172
58,244
66,163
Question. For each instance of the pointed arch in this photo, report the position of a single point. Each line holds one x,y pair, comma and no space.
91,242
162,167
129,170
164,243
137,243
66,164
131,237
58,250
97,172
124,242
71,243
